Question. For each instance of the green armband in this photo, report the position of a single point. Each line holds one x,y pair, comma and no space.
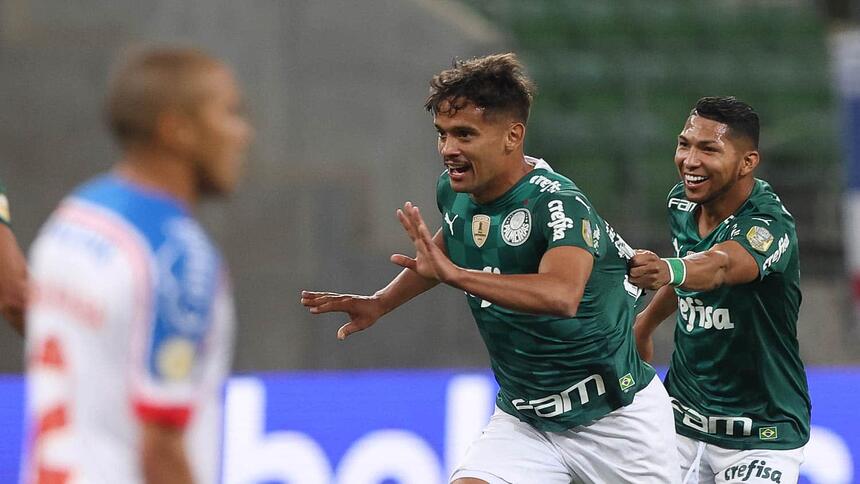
677,270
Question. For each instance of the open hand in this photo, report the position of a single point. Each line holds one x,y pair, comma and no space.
430,261
363,311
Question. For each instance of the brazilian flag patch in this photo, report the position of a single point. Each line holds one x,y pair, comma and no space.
767,433
626,381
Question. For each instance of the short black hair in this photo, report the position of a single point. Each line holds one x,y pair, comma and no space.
739,116
495,83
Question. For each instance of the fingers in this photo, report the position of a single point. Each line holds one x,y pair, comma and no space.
310,296
418,222
347,329
406,222
324,302
643,257
404,261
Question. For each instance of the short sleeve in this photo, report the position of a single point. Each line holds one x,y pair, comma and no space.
175,351
767,238
566,218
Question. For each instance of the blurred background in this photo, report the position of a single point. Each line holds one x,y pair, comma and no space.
335,89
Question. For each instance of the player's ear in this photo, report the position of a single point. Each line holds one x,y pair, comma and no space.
515,135
749,162
175,130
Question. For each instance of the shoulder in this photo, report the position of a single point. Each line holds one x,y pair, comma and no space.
559,195
547,183
158,218
764,201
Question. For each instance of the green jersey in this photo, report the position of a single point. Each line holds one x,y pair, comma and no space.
553,372
5,217
736,377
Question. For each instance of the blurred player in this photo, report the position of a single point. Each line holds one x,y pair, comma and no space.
737,382
130,329
13,270
544,276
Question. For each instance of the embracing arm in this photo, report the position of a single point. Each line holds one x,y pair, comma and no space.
727,263
13,280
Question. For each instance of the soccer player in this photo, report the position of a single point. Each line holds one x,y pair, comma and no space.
130,329
544,276
13,270
737,383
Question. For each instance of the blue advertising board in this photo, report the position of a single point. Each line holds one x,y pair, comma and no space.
408,427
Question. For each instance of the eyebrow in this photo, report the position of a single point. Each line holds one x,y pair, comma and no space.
700,142
458,127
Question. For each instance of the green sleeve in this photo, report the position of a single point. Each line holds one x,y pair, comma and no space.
767,238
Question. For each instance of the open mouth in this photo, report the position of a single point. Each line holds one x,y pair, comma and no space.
457,170
693,181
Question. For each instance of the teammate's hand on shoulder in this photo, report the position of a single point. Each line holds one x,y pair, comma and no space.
647,270
363,311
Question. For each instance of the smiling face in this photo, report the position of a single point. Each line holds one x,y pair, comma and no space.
477,149
711,162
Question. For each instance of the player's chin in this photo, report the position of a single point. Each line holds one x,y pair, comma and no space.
695,195
461,186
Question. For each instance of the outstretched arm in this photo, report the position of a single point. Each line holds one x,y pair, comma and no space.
556,289
13,280
363,311
727,263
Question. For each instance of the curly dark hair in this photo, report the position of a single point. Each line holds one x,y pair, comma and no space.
739,116
495,83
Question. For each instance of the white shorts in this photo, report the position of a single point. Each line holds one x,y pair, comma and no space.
703,463
632,444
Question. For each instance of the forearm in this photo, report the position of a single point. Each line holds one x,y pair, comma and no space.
529,293
662,305
402,288
705,271
164,459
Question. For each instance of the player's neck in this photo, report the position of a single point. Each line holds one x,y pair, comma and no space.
517,169
162,171
713,212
